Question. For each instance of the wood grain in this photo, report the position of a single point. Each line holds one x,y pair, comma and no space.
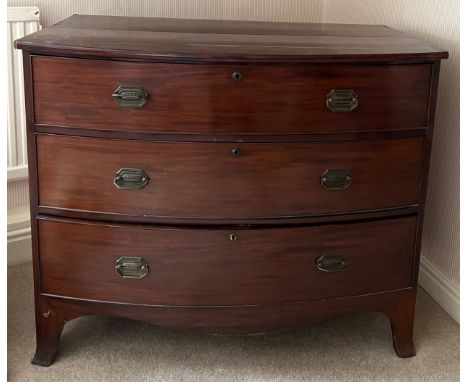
205,267
205,98
204,180
210,41
235,137
243,320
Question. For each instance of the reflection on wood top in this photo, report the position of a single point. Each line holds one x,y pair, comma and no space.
226,41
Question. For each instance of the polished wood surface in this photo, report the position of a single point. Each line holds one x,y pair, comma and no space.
234,137
398,305
206,99
199,193
285,221
204,180
206,41
191,26
205,267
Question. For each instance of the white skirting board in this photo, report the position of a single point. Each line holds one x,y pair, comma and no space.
19,247
440,289
430,279
18,236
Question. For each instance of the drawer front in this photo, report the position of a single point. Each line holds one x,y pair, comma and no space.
226,181
207,267
207,99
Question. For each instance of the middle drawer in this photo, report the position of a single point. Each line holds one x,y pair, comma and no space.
226,180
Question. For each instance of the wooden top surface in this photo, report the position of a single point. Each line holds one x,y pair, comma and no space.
225,41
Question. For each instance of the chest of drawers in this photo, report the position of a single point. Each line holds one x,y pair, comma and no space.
228,177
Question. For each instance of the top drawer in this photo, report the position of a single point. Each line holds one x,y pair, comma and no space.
209,99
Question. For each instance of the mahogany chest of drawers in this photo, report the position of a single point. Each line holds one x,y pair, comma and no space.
229,177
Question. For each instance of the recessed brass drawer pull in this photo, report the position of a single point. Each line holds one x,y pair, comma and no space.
131,178
131,267
336,179
332,263
130,96
342,100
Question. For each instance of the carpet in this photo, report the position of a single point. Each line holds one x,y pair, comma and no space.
353,347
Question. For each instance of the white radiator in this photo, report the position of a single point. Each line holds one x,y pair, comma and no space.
21,21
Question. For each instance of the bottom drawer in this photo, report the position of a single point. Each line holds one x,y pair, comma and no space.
223,267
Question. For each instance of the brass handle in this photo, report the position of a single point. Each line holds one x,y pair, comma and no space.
342,100
131,178
336,179
332,263
131,267
130,96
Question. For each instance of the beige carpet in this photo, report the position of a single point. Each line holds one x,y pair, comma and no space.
347,348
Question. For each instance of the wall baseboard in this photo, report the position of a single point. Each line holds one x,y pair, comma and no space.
18,236
19,247
440,289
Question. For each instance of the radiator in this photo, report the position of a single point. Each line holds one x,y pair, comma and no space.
21,21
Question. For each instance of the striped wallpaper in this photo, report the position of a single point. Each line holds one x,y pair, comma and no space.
267,10
435,21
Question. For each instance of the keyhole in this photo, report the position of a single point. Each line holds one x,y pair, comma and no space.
237,76
236,151
232,237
